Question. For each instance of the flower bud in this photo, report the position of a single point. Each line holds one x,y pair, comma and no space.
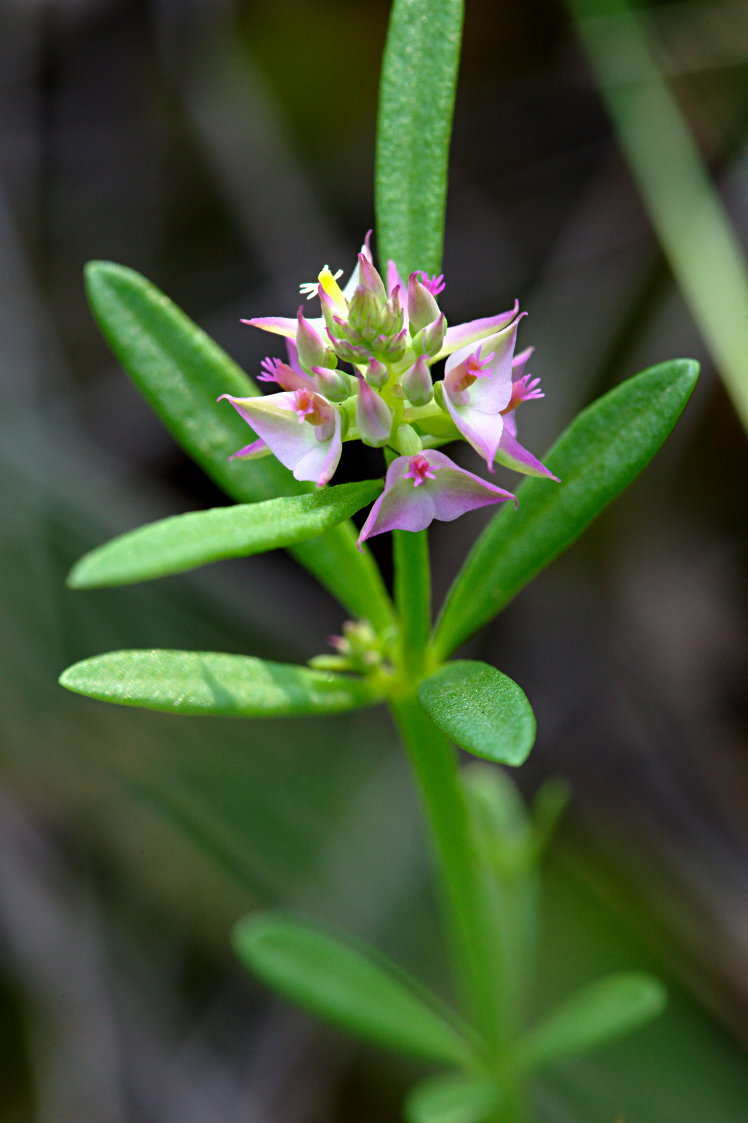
393,316
390,348
334,385
364,315
373,416
417,385
350,352
407,440
430,339
422,307
310,345
376,374
369,279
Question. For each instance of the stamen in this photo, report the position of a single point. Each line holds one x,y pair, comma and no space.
419,470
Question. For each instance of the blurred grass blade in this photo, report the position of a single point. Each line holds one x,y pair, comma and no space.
186,541
416,104
353,988
597,1014
481,709
181,372
695,230
602,451
205,682
452,1099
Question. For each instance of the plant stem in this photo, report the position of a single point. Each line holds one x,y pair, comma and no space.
434,764
477,936
412,599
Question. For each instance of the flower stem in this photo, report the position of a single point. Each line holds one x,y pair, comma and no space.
412,599
476,935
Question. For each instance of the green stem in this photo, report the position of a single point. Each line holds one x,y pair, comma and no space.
412,599
476,935
434,763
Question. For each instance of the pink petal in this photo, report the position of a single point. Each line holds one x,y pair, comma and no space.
295,444
511,454
278,325
405,506
475,330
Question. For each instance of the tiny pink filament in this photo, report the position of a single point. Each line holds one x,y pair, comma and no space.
419,470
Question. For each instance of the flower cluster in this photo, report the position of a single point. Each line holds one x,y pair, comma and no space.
391,334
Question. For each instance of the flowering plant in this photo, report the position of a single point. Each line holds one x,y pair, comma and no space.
391,335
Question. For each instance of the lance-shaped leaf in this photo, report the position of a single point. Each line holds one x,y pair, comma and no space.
601,452
205,682
595,1015
455,1098
352,987
416,103
181,372
481,709
185,541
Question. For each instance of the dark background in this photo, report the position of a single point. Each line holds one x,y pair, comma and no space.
225,149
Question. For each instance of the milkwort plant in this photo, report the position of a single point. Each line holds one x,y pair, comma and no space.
381,364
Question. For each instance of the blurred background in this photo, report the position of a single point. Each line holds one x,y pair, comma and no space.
225,149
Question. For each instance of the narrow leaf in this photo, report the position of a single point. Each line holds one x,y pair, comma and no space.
481,709
185,541
204,682
353,988
181,372
595,1015
601,452
416,104
452,1099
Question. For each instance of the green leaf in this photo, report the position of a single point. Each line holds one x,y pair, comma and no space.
596,1014
353,988
452,1099
416,104
181,372
204,682
481,709
185,541
601,452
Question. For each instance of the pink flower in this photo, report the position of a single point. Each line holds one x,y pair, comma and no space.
424,487
300,427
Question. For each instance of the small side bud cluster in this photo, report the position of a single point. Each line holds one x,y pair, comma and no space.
359,649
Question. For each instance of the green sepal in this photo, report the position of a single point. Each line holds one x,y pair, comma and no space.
352,987
206,682
184,541
597,1014
181,372
452,1098
481,709
601,452
416,104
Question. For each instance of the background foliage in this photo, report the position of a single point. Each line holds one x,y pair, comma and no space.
225,149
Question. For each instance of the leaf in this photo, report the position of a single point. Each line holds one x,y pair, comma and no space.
481,709
416,104
185,541
204,682
452,1099
601,452
181,372
596,1014
353,988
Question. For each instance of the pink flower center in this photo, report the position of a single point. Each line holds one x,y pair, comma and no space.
525,389
419,470
461,378
434,284
310,407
